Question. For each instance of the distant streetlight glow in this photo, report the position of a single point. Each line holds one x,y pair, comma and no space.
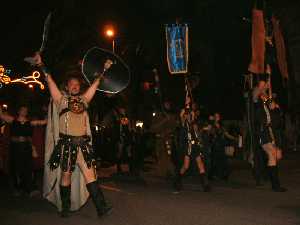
110,33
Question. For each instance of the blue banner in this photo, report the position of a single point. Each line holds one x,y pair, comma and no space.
177,48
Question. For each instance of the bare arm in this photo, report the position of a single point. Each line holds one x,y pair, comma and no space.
38,122
54,91
90,92
229,136
36,60
182,116
193,116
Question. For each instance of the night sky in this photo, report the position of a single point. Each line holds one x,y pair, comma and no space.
219,43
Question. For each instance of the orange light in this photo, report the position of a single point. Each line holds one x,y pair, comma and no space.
33,79
4,78
30,80
110,32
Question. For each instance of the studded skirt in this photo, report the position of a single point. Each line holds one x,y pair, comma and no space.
66,150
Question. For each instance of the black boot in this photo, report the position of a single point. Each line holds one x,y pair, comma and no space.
98,199
273,171
204,182
65,192
178,182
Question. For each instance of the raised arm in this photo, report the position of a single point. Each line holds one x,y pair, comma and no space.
54,91
90,92
36,60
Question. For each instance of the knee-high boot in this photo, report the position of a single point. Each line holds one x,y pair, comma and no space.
273,172
65,192
98,199
204,182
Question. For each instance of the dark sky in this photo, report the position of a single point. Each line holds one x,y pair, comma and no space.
219,41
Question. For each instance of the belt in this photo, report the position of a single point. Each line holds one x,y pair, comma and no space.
20,139
75,139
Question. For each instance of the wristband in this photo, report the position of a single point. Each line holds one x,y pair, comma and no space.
44,70
98,76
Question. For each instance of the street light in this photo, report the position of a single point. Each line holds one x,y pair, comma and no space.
109,32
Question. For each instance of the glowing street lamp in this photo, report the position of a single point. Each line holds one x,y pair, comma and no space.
110,33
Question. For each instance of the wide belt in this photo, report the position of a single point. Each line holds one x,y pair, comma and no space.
20,139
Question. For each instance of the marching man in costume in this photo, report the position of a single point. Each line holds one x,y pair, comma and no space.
264,129
191,144
70,168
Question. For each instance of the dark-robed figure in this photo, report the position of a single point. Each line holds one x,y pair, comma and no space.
190,142
21,164
265,122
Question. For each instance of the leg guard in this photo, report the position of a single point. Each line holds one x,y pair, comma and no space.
273,171
65,192
98,199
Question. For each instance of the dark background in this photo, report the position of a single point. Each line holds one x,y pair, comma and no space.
220,46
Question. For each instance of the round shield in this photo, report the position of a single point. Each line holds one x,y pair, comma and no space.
99,61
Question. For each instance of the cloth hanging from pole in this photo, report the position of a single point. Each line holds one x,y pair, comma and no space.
177,48
258,43
280,48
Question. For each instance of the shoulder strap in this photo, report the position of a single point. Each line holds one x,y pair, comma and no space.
64,111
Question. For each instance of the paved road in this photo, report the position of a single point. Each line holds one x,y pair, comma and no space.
237,202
